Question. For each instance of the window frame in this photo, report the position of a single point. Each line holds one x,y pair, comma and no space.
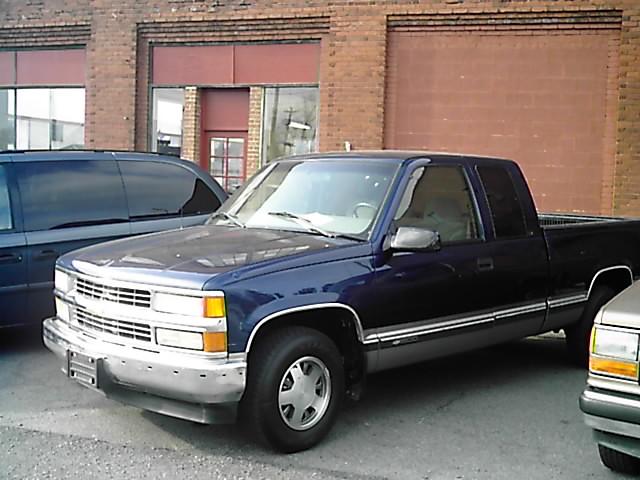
473,200
527,231
11,195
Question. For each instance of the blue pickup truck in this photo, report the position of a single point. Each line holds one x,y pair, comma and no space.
321,270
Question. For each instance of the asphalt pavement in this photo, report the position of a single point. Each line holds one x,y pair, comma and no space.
507,412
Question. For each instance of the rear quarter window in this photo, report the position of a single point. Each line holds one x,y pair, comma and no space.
506,209
157,190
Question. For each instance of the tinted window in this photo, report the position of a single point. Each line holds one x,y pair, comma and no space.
5,206
438,199
163,190
70,193
506,210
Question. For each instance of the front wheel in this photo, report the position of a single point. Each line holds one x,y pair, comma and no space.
618,461
294,389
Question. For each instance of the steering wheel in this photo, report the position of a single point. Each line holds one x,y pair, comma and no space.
360,205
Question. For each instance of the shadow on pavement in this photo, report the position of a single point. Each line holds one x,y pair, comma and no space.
20,339
390,392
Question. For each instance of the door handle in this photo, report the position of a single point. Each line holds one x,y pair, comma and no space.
46,254
485,264
10,258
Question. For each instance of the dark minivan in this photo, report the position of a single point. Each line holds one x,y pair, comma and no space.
55,202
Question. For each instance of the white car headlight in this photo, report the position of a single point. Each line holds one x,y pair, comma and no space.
614,353
62,310
179,338
63,282
208,307
615,344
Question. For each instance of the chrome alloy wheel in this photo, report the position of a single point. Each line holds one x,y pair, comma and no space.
304,393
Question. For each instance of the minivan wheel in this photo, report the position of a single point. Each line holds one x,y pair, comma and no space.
295,386
578,334
618,461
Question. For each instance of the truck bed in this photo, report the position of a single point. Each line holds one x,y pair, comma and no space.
559,220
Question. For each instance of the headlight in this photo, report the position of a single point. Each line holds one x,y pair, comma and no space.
208,307
179,338
614,343
62,310
63,282
207,341
619,348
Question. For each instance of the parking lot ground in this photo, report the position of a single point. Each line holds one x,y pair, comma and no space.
507,412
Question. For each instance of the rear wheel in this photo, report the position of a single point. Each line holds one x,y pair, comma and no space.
618,461
578,335
294,389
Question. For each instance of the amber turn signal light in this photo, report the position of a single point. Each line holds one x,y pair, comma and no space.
215,342
214,307
614,367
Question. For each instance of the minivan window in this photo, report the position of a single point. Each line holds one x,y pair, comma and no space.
506,210
64,194
6,223
184,194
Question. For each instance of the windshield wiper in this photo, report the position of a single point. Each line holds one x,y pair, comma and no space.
228,216
310,226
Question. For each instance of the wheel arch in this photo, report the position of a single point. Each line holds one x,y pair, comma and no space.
617,277
344,328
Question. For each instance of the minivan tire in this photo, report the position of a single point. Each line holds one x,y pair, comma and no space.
293,358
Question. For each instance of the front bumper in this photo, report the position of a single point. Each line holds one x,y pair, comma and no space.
614,417
180,385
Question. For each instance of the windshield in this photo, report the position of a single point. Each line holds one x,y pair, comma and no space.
339,197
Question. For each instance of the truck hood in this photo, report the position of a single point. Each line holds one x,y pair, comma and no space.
189,258
623,310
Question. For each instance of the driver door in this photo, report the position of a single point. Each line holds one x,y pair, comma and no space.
439,293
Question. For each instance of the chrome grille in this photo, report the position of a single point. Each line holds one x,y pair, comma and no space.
126,296
120,328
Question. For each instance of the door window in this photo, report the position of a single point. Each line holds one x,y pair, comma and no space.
70,194
438,198
157,190
506,211
6,222
227,161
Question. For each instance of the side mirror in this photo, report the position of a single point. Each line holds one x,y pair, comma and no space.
411,238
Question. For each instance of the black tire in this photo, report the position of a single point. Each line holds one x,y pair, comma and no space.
578,335
269,366
618,461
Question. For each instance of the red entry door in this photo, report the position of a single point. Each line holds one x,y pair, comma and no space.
227,155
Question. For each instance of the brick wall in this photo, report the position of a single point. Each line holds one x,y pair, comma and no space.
191,125
254,135
117,36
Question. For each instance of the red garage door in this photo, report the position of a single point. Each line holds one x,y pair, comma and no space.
546,100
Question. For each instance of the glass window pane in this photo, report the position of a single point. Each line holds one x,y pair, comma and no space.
290,121
167,111
440,201
7,120
67,118
217,166
185,194
236,147
217,147
6,222
50,118
235,167
70,193
506,211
